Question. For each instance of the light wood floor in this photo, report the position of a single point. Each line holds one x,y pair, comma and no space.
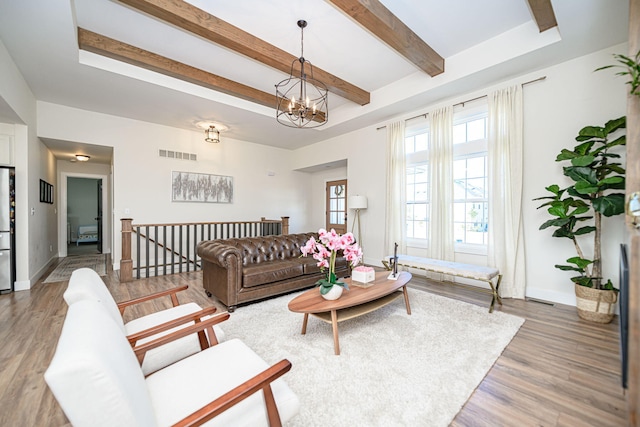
557,371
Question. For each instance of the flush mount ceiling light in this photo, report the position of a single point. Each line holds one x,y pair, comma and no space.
302,100
82,157
211,131
212,135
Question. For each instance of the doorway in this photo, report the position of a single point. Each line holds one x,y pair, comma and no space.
336,205
84,216
82,198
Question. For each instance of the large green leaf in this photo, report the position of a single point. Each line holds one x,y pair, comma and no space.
582,160
584,230
568,268
609,205
615,124
566,155
616,168
580,262
564,232
578,173
579,210
558,222
612,180
585,187
591,132
554,188
558,209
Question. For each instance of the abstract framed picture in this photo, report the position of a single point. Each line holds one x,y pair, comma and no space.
201,187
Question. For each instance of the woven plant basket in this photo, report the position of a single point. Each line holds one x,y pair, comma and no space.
595,305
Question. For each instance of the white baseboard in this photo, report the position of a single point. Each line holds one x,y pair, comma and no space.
552,296
22,285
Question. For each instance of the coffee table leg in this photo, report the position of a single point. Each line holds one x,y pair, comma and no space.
334,324
406,299
304,323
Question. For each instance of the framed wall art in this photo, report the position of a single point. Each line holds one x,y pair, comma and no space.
46,192
201,187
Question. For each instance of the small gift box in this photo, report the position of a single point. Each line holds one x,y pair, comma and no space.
363,274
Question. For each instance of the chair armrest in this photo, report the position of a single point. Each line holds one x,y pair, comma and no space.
262,381
200,326
154,330
171,292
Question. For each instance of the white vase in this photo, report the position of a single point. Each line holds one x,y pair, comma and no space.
334,293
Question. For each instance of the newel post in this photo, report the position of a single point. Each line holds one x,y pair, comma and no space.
126,264
285,224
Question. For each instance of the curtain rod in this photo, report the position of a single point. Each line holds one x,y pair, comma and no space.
468,100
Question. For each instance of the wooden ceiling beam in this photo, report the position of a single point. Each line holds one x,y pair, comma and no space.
114,49
542,12
189,18
375,17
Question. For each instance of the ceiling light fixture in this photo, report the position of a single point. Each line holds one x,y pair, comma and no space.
302,101
82,157
212,135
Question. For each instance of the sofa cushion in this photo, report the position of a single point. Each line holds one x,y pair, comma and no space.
268,272
310,265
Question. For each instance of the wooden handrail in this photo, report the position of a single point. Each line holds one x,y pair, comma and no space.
232,228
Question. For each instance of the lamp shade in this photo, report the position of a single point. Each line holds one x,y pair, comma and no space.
357,202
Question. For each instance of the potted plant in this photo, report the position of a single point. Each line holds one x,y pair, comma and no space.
325,251
577,211
631,68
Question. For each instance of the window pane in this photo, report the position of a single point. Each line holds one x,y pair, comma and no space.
420,230
459,169
334,217
475,167
333,205
411,192
458,212
460,133
422,142
458,232
420,211
409,145
410,229
475,188
422,175
476,130
409,212
459,186
341,204
473,235
421,192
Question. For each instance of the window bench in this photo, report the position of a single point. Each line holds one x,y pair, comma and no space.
468,271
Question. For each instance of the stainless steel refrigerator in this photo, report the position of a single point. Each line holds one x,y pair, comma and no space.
7,229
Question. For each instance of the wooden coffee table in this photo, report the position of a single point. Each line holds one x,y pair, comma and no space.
357,301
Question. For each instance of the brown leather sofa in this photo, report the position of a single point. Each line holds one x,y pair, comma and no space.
237,271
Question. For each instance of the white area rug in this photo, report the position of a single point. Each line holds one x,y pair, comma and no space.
69,264
394,369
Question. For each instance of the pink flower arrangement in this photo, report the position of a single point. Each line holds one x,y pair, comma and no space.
325,249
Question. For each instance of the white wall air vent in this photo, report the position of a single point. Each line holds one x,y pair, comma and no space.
177,155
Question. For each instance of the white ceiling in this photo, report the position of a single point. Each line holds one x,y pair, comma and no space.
482,42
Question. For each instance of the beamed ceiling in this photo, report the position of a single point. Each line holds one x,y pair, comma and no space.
176,63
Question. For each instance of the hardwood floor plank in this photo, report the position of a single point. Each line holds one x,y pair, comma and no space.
557,371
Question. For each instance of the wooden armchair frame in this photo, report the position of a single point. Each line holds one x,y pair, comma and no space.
261,381
169,292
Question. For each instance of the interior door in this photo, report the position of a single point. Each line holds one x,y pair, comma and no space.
336,205
99,217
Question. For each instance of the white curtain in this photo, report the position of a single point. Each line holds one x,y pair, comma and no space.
441,244
395,231
506,240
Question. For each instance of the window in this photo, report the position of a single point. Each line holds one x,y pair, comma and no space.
417,201
470,181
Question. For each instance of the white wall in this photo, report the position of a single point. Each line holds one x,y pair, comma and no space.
571,97
35,230
264,183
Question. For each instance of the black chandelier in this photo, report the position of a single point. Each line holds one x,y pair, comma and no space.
302,101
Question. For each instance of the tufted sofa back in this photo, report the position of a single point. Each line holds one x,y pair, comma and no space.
255,250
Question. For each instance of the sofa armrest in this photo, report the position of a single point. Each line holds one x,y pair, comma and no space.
218,252
221,271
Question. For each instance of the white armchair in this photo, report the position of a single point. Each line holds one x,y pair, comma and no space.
86,284
96,379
